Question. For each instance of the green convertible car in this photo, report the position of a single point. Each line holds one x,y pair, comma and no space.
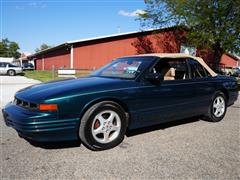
130,92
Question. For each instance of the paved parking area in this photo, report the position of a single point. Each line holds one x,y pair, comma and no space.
187,149
10,84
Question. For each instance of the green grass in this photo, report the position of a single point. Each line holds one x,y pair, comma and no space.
39,75
45,76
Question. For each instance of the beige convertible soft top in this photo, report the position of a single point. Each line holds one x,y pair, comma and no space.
181,55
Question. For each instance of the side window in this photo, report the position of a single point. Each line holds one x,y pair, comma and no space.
197,70
3,64
172,69
11,65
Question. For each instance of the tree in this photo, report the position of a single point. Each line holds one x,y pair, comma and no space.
43,47
213,24
9,49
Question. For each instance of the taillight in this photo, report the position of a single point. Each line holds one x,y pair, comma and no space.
48,107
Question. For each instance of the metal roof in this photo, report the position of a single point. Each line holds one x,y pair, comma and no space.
109,36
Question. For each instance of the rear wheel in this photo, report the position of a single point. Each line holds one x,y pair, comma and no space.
11,72
103,126
218,108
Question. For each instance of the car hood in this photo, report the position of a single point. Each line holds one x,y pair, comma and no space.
43,91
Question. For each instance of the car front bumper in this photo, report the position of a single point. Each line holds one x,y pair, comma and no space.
40,126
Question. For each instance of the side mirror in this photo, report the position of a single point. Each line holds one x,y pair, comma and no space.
154,78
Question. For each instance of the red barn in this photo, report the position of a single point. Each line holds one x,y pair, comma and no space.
229,60
95,52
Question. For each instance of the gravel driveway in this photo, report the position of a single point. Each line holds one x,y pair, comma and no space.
187,149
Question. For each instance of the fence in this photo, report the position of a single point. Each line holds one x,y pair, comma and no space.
68,72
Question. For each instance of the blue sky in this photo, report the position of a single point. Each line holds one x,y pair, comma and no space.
31,23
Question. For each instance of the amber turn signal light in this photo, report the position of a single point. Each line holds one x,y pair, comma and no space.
48,107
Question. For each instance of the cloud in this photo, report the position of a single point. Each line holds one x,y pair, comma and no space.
131,14
37,4
32,4
19,7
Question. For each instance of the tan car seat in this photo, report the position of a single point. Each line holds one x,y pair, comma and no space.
170,74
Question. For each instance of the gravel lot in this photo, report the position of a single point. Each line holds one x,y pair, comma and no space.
187,149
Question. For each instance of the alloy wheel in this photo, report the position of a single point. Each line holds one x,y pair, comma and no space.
106,126
219,106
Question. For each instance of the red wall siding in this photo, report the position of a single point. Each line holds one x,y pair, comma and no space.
38,64
228,61
59,58
98,54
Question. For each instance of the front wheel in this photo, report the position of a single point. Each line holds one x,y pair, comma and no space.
103,126
218,108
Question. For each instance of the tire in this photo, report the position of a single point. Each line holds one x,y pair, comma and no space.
216,111
107,132
11,72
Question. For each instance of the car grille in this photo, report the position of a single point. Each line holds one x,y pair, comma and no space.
25,104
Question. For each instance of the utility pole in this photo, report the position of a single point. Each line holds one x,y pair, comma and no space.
119,29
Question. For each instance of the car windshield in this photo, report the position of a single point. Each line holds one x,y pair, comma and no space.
126,68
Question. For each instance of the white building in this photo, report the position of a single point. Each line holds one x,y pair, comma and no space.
6,59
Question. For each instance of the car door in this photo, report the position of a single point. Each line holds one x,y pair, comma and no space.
170,99
204,84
